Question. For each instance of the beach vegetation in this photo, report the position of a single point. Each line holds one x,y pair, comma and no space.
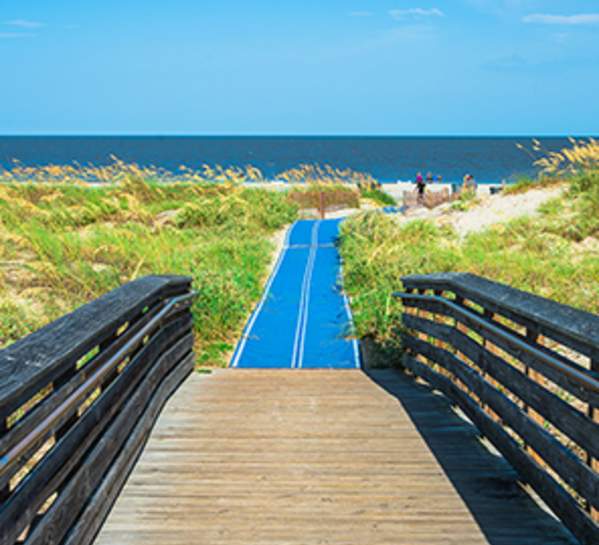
118,171
466,200
318,174
377,196
580,157
554,254
62,245
329,195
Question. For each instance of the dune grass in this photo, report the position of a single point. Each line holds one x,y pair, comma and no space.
308,196
378,196
62,245
338,195
554,254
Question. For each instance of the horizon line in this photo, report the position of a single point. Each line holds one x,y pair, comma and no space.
291,135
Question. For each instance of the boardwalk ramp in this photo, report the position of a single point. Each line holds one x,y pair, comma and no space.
247,457
295,443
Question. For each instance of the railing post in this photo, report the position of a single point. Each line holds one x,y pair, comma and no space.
460,327
488,315
533,337
5,490
439,342
70,422
321,205
422,313
594,415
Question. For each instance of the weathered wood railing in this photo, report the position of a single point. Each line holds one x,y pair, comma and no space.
78,399
525,371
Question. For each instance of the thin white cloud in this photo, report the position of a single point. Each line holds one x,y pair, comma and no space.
360,13
548,19
14,35
24,23
415,13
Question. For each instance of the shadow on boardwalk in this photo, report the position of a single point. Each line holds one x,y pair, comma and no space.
487,484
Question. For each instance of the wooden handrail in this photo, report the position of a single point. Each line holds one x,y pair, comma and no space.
83,396
537,404
584,379
92,382
570,326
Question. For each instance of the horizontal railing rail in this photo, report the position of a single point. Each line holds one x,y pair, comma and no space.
78,399
524,370
568,326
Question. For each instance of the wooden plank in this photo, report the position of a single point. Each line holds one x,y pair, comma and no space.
565,463
63,388
35,361
302,457
98,508
568,419
23,504
139,359
131,426
579,522
572,327
512,347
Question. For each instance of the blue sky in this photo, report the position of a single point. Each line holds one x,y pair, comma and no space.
299,67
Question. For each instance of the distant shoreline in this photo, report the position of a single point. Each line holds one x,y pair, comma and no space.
490,159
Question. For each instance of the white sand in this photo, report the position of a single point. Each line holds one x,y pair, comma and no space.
502,208
491,210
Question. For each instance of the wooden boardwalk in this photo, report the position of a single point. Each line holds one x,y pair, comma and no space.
244,457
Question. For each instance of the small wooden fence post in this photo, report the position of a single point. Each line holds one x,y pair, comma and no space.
321,205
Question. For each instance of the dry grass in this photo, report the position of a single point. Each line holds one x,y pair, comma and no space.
118,171
332,196
554,254
62,245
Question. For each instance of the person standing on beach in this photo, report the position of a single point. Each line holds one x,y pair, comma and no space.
420,187
469,183
429,178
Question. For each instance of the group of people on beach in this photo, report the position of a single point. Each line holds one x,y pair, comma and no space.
468,182
422,182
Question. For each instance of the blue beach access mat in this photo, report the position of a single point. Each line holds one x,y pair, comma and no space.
303,318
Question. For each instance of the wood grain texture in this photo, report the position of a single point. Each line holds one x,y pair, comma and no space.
64,387
99,504
565,463
311,457
516,346
18,512
564,416
553,494
572,327
139,411
31,363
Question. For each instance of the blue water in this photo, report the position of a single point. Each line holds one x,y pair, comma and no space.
303,318
386,158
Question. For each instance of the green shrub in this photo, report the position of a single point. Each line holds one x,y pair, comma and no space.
77,242
539,254
378,196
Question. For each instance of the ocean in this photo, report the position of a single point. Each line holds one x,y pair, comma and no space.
389,159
